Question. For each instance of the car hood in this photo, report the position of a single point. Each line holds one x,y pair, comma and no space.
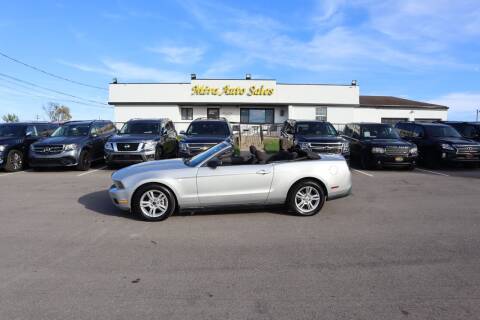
170,164
319,139
10,140
61,140
203,139
452,140
133,137
386,142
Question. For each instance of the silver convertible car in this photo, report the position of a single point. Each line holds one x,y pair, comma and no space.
155,190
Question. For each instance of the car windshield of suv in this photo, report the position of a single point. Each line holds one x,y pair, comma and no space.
199,158
72,130
442,131
379,132
316,129
12,130
140,128
208,129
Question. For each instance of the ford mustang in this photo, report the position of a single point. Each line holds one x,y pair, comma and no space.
215,178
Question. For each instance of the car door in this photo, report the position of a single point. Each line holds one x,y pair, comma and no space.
31,136
234,184
97,137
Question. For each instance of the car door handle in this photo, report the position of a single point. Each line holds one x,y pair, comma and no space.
263,172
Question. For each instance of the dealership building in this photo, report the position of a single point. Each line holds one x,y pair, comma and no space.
254,101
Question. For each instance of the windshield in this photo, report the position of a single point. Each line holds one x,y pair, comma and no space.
199,158
442,131
379,131
208,129
140,128
12,130
72,130
316,129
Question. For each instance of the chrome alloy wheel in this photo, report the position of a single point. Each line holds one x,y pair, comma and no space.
307,199
16,161
154,203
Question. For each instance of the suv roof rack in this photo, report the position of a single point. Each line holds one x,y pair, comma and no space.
206,118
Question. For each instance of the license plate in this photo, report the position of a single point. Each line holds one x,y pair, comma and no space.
468,155
399,159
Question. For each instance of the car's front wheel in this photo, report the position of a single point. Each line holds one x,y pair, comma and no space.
153,202
84,161
306,198
14,161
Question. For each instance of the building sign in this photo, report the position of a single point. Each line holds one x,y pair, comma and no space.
203,90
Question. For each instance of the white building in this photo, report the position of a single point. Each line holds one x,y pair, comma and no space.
250,101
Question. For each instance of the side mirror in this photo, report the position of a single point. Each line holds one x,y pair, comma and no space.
183,132
214,163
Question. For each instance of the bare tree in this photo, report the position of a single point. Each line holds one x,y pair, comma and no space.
57,113
10,117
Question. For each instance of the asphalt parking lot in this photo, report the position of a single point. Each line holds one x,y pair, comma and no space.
404,245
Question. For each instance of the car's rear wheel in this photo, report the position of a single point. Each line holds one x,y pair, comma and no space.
84,161
306,198
153,202
14,161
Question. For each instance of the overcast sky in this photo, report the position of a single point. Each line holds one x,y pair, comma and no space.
427,50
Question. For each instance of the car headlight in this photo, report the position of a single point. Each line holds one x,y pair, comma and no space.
2,148
149,145
182,146
346,147
118,184
378,150
413,150
69,147
109,146
305,146
446,146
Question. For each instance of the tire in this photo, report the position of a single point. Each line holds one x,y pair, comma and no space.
84,161
364,162
158,153
14,161
309,189
164,208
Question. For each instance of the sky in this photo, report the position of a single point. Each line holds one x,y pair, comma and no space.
425,50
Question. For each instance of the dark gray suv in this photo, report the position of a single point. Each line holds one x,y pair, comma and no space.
142,140
74,144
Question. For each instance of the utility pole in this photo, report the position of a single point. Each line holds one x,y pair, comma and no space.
478,112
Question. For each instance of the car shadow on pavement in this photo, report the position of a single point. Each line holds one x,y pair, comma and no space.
99,202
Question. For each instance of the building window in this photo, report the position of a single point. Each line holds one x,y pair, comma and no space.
213,113
393,121
321,113
427,119
256,115
187,113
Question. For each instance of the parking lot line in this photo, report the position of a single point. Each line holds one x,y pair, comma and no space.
367,174
91,171
9,173
433,172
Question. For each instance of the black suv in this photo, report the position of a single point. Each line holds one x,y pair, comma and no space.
15,140
74,144
142,140
379,145
439,143
469,130
317,136
202,134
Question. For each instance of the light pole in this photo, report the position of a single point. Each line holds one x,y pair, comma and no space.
478,112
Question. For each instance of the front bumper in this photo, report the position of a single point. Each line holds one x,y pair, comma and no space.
453,157
384,160
129,157
120,198
62,159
